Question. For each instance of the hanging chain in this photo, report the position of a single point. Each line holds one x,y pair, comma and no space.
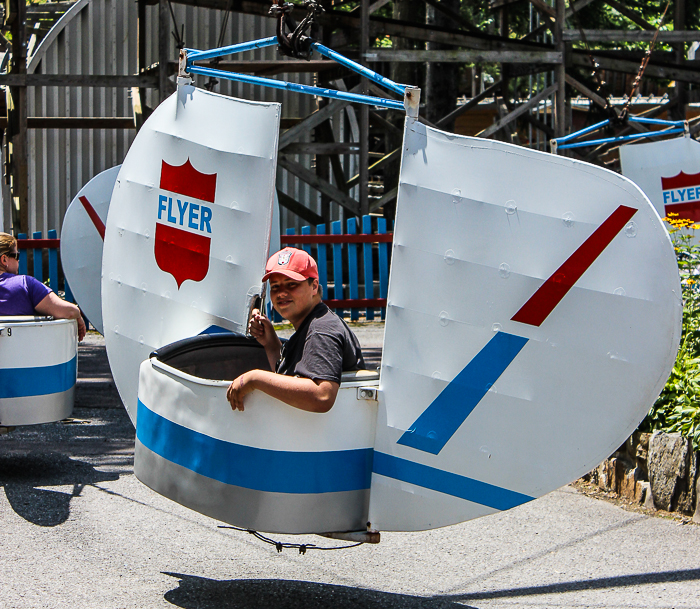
596,70
643,66
280,545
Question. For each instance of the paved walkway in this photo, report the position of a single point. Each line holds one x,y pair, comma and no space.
78,530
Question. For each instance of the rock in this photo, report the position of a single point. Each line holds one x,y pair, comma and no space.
696,516
647,500
672,472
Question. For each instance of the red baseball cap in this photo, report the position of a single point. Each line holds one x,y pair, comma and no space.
293,263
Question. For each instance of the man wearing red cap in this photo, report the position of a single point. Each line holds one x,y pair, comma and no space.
309,365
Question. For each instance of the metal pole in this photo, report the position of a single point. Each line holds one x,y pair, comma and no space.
293,86
356,67
195,55
364,113
560,71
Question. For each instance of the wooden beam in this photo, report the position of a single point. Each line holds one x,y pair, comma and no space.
584,90
324,187
543,8
494,4
492,90
322,148
76,122
521,109
670,72
630,14
379,26
387,159
456,17
467,56
576,6
538,124
312,121
297,208
325,133
78,80
382,27
571,35
375,6
163,39
389,127
387,198
560,71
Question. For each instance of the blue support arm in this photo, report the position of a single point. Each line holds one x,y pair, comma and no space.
292,86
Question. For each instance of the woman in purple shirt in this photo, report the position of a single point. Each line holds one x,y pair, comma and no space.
24,295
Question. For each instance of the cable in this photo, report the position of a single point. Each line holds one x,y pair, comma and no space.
280,545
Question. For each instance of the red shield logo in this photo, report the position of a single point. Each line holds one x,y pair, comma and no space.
184,253
682,195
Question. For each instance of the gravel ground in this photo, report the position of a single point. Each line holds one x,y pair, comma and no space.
78,530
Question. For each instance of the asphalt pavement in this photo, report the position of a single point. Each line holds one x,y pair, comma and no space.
78,530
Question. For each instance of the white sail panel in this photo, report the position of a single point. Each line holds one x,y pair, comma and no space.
82,238
189,226
669,174
533,317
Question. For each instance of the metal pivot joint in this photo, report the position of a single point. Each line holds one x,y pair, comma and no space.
291,37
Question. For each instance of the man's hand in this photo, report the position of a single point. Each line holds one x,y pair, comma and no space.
261,329
238,390
302,393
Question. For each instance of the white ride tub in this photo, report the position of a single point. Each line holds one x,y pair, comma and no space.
38,369
271,468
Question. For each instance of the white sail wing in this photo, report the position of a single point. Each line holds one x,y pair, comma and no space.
82,238
188,227
669,174
533,317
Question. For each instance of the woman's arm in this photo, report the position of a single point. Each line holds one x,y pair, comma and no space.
60,309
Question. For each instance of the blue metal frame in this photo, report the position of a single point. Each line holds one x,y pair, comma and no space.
195,55
676,127
620,138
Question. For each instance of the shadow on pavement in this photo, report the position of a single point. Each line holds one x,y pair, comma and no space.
202,593
23,475
621,581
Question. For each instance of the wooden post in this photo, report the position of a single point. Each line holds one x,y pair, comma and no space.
364,112
560,71
503,27
141,36
679,112
163,35
17,144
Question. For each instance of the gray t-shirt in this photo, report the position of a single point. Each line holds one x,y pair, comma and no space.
321,349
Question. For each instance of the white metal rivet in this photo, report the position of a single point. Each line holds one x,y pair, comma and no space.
504,270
